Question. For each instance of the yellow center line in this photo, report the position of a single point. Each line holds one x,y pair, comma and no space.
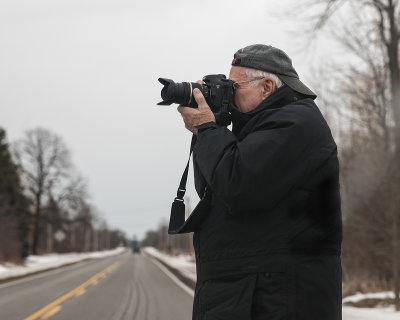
48,310
51,312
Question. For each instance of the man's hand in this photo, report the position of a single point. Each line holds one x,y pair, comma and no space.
195,117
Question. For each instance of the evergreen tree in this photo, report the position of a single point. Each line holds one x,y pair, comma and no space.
14,214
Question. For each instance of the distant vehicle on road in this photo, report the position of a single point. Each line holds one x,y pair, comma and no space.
135,246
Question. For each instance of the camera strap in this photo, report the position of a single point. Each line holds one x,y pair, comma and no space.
177,218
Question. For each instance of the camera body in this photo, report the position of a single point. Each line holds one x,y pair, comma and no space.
216,89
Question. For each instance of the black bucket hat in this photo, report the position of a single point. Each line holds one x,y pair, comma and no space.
270,59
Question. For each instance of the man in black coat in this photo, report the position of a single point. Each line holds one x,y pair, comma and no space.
269,238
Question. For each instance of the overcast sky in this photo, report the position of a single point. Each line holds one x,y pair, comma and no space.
88,69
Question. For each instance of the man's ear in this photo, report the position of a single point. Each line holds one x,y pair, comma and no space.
269,86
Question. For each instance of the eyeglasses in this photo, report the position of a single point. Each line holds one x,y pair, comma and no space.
236,85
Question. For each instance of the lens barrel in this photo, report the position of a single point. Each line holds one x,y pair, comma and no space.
180,93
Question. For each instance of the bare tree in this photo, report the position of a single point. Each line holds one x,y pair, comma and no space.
370,31
369,88
43,160
68,210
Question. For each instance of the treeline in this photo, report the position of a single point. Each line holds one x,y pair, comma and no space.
361,99
44,203
171,244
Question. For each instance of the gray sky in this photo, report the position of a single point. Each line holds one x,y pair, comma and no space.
88,69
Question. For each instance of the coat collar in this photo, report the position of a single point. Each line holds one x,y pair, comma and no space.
281,97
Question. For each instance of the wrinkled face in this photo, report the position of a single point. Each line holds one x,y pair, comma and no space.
248,95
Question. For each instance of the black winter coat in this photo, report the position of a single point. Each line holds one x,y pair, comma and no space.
272,204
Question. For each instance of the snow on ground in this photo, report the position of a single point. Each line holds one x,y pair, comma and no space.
361,296
378,313
183,263
352,313
188,267
35,263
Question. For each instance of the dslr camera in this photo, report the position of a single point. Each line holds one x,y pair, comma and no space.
216,89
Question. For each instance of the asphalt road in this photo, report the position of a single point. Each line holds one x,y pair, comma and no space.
122,287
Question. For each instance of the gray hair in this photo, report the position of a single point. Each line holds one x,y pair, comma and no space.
254,73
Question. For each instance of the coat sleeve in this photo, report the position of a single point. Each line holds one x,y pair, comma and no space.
256,173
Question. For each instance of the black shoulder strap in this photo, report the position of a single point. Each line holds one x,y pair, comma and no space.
177,218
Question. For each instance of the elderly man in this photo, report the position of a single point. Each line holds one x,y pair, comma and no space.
268,243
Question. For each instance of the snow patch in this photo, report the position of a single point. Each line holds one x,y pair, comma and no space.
361,296
182,262
387,313
36,263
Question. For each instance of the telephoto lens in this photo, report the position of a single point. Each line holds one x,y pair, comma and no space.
180,93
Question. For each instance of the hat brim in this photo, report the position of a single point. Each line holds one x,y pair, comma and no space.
297,85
